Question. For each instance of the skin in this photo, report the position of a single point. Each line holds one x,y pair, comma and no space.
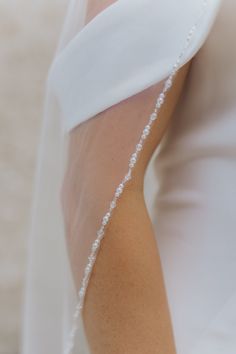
126,308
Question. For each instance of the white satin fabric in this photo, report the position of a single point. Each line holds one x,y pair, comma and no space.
157,31
190,182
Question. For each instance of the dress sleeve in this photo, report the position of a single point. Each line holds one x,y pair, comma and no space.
127,48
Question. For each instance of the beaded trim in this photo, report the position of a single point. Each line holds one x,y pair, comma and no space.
133,159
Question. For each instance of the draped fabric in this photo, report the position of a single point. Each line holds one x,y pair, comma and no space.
128,47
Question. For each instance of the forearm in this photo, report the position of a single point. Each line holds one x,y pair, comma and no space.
126,308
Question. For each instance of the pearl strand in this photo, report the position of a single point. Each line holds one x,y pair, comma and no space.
133,160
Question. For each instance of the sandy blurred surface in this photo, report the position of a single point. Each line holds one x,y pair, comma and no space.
28,35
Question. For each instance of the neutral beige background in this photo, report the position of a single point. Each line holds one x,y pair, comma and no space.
28,35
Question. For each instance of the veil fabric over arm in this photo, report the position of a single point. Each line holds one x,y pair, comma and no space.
128,47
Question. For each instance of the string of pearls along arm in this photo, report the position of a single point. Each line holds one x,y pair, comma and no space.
133,160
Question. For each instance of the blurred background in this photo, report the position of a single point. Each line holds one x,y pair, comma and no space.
29,30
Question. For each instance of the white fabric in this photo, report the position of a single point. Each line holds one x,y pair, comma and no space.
157,31
190,183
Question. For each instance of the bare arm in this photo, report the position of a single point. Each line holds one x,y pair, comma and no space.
126,309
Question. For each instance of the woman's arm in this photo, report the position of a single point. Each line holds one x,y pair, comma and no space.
126,309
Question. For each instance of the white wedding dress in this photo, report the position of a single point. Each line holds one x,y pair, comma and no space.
190,187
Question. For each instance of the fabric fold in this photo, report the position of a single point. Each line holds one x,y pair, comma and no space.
126,48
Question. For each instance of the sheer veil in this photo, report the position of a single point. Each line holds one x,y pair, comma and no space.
47,307
52,322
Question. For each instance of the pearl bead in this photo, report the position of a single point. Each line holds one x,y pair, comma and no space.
95,245
133,160
127,178
121,186
162,96
153,116
118,191
81,292
159,102
100,232
105,220
91,258
113,204
139,147
87,269
144,135
128,175
168,84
